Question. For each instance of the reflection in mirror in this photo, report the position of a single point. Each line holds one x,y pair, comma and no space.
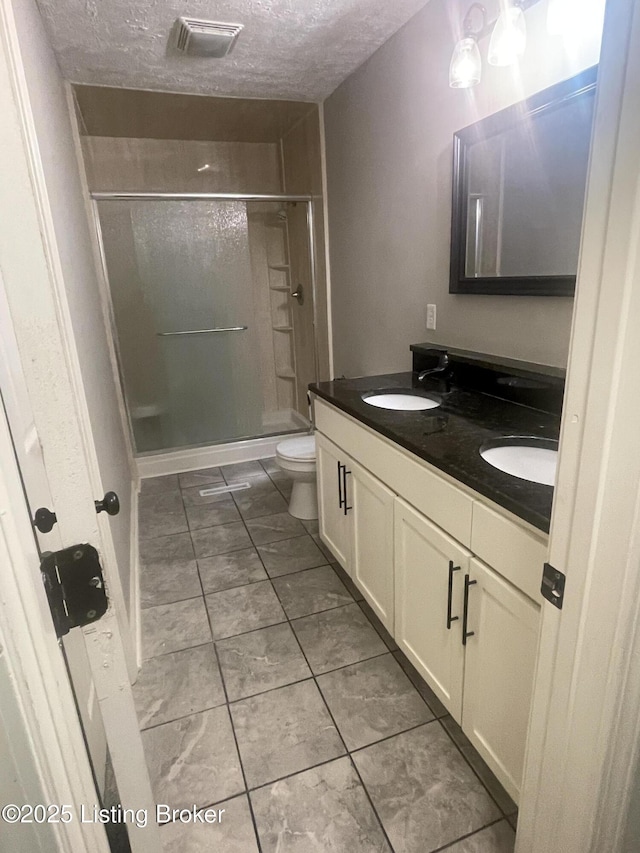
519,183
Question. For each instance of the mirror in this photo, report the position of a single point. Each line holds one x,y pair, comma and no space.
519,179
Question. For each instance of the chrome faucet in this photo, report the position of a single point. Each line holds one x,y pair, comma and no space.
443,364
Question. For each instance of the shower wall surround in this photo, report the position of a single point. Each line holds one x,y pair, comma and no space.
302,173
270,364
175,165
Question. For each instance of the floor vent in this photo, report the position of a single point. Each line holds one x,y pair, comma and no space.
221,490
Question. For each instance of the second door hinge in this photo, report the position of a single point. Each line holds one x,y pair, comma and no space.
75,587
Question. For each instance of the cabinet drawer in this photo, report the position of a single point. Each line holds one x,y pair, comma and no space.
516,553
403,472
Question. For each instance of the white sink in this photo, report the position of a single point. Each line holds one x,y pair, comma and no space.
401,401
526,457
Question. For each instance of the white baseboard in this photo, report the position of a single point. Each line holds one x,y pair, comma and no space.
177,461
134,578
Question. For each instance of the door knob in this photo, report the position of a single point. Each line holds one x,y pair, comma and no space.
298,294
110,504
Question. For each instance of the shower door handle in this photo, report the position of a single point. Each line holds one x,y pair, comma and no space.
203,331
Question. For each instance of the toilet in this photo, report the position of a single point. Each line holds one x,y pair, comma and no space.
297,458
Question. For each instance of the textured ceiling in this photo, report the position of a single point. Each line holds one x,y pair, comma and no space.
289,49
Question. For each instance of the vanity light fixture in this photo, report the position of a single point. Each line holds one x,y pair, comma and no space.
508,41
466,66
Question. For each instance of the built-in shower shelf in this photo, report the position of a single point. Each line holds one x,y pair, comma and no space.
286,374
282,328
279,267
281,288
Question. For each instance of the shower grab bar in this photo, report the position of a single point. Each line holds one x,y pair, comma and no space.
203,331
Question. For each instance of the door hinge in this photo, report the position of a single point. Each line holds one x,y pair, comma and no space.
553,585
75,587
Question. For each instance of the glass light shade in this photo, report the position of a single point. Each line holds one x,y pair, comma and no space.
509,37
562,16
466,65
577,21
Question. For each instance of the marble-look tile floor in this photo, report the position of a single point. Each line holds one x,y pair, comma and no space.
271,691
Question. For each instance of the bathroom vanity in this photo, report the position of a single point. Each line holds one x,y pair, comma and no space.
447,549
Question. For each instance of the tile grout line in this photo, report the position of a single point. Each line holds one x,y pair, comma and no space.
339,733
225,704
450,844
230,716
262,580
235,736
240,761
473,770
412,674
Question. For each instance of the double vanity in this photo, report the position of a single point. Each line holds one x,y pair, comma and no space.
447,548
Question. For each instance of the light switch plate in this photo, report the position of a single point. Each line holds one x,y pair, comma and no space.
431,316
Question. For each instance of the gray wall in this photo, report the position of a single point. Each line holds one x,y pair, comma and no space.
389,131
75,251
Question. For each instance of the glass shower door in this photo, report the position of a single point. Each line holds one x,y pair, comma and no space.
181,284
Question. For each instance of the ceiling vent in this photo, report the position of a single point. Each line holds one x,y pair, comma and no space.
205,38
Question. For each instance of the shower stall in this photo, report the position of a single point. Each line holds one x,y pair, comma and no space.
212,302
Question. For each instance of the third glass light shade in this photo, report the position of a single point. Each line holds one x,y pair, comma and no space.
509,37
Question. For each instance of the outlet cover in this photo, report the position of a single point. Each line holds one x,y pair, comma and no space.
431,316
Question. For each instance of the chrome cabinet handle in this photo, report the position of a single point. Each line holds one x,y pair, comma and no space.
298,294
451,618
203,331
465,616
340,497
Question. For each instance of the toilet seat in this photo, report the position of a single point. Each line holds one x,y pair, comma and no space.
302,449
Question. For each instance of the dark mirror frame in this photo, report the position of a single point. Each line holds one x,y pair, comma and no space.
549,99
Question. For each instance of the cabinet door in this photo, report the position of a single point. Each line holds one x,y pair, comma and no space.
334,524
371,508
499,671
422,571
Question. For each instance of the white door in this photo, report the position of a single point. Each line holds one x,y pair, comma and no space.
499,671
335,523
371,505
93,656
429,581
583,744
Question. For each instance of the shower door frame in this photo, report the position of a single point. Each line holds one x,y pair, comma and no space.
97,196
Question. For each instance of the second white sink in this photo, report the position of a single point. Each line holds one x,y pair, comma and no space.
526,457
401,401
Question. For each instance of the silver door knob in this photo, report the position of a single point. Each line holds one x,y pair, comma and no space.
298,294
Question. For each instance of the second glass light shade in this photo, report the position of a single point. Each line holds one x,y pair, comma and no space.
509,37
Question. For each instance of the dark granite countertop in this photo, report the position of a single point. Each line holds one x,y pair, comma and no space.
450,436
